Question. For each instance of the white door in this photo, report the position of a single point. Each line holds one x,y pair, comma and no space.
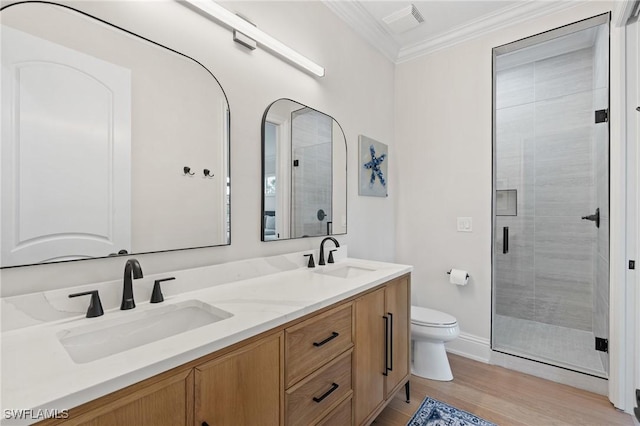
66,147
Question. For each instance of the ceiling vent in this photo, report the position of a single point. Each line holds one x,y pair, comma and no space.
404,19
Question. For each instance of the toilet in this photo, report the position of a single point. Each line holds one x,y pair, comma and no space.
430,329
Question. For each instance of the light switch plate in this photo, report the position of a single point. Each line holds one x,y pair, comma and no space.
465,224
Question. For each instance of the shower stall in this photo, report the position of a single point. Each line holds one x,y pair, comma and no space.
551,197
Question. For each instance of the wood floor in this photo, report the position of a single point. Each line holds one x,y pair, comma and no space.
506,398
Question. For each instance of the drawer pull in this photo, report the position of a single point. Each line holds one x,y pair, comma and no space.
390,367
334,386
333,336
386,345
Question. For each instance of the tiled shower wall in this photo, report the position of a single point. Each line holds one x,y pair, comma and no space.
545,150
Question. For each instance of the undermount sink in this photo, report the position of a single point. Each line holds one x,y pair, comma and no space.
346,271
94,341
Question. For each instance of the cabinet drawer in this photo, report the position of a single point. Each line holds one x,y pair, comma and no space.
319,393
313,342
340,416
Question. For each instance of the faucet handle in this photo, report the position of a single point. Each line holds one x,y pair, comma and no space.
330,260
156,294
311,263
95,307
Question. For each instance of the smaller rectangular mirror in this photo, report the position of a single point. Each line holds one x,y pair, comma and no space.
304,173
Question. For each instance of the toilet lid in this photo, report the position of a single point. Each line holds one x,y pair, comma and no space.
426,316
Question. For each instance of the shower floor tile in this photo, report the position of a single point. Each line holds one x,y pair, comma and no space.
561,346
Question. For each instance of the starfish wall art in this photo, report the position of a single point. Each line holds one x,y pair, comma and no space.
373,167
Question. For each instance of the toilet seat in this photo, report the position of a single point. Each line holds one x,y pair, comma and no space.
431,318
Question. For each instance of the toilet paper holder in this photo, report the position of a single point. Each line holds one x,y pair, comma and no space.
449,273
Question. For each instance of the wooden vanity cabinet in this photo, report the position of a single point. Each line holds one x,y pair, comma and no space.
243,387
164,400
381,357
338,367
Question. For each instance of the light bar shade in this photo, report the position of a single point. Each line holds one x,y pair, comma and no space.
228,18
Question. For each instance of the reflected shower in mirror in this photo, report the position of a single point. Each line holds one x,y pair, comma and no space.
106,141
304,173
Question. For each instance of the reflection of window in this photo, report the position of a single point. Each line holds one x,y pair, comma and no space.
270,185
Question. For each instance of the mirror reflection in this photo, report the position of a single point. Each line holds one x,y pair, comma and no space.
106,142
304,164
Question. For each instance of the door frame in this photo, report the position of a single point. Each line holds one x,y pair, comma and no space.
624,306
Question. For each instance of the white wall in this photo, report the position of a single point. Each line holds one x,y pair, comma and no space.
357,91
443,134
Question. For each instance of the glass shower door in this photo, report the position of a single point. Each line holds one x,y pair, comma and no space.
551,200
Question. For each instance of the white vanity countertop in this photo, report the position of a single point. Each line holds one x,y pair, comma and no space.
38,373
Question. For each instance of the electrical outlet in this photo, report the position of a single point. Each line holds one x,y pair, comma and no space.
465,224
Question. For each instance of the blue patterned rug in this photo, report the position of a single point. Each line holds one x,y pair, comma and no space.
435,413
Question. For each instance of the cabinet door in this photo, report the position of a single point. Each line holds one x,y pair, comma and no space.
369,354
397,309
243,387
168,402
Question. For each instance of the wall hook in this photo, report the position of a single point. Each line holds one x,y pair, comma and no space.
208,173
187,171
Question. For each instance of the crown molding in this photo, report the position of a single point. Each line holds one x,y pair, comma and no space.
365,25
357,17
488,23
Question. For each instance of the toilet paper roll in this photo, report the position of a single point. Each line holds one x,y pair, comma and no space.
459,277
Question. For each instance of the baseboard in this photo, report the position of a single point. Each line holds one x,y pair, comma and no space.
470,346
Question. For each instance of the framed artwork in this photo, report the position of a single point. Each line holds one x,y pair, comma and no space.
373,160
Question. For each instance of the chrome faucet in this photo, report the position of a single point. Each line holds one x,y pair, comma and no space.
132,267
337,244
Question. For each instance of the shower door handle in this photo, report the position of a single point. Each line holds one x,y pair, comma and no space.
505,239
594,217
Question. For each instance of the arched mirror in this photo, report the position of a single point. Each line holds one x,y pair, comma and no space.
107,139
304,173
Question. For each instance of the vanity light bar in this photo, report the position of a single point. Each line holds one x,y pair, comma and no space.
228,18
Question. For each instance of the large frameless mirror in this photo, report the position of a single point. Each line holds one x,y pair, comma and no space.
111,143
304,173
